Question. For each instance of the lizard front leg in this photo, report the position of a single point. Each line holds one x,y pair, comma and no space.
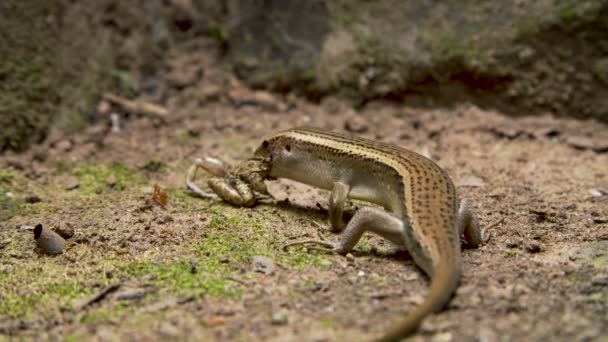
338,197
370,219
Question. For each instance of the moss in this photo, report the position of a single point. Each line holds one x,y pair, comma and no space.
27,55
183,199
380,280
568,12
94,177
511,253
125,80
11,183
185,139
60,165
328,323
526,28
230,233
219,33
49,288
444,46
178,277
154,165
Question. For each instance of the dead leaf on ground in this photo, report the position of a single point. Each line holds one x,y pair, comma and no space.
159,196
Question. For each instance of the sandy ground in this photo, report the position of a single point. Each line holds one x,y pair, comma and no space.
137,269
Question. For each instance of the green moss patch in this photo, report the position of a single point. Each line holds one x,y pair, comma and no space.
97,177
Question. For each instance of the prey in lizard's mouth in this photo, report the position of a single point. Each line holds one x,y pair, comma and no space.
241,186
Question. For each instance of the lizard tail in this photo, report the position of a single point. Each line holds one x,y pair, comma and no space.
443,285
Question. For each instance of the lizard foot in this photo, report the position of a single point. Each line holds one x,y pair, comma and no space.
327,246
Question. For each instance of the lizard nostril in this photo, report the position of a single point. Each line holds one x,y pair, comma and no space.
287,148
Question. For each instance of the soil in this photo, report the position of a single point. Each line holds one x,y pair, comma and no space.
140,268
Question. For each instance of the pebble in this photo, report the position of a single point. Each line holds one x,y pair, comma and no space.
350,257
32,199
65,230
533,248
263,264
224,259
279,318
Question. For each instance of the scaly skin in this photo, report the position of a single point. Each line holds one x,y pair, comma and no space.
421,212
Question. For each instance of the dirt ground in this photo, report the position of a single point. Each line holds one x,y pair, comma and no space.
194,269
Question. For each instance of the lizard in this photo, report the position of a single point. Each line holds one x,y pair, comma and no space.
418,208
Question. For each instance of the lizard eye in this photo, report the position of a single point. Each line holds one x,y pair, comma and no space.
287,148
265,144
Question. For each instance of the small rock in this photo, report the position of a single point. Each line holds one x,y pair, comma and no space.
533,248
193,266
513,243
356,124
4,243
103,107
72,185
40,155
15,164
325,262
149,277
211,92
597,193
64,145
263,264
165,219
111,181
65,230
599,280
131,295
584,143
32,199
224,259
110,273
509,133
183,14
350,257
279,318
526,53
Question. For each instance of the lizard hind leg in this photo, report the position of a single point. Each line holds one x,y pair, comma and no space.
468,225
370,219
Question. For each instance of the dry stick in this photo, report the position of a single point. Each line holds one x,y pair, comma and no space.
141,107
81,304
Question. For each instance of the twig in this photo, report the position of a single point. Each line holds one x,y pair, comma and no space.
81,304
141,107
240,281
297,236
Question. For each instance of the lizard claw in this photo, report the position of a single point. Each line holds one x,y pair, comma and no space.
327,246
